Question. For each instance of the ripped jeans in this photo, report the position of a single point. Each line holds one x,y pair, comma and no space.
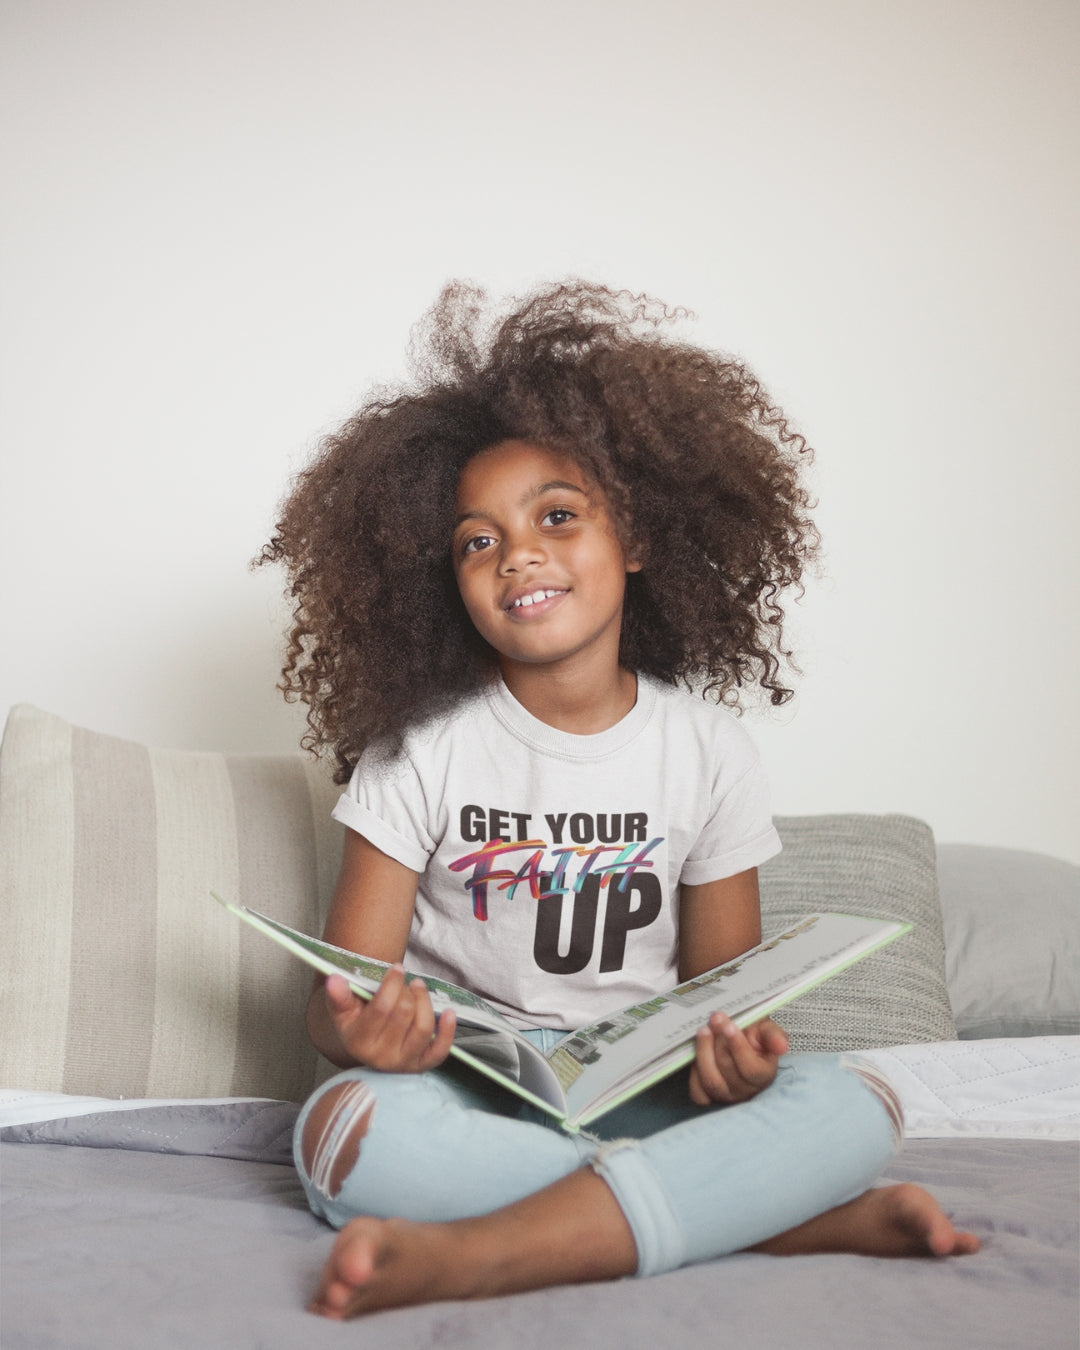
693,1182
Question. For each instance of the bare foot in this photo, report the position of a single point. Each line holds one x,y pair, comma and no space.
573,1230
388,1263
900,1220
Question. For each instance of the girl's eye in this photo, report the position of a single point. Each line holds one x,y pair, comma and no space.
476,543
558,515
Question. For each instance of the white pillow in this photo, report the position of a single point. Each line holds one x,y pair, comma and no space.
1012,941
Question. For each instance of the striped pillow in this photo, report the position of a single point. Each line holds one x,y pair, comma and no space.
119,975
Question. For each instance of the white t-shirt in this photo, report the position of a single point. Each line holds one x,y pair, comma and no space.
550,863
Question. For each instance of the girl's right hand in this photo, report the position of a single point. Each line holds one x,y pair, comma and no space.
396,1031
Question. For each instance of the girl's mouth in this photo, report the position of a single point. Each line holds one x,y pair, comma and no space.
531,599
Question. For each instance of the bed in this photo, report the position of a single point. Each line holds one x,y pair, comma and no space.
152,1057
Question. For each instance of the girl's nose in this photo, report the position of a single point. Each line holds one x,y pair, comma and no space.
520,552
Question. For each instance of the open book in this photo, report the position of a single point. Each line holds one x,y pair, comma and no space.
595,1069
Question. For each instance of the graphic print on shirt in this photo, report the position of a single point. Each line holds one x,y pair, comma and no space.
582,855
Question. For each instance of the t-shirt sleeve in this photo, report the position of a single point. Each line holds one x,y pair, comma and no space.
739,833
385,802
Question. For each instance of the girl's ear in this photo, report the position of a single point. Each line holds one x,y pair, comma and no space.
635,552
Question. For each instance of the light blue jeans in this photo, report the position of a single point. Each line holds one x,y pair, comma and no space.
693,1182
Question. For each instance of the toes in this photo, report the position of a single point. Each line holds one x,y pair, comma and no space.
353,1256
333,1296
349,1268
929,1226
963,1244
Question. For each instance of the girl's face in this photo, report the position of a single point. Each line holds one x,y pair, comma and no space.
537,559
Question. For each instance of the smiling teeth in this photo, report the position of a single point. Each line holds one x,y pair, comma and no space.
533,599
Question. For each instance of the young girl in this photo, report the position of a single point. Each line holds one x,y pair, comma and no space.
514,582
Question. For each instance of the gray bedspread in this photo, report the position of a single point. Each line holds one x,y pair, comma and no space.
187,1227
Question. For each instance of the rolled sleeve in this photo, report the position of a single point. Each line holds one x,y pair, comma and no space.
386,803
739,833
376,831
740,859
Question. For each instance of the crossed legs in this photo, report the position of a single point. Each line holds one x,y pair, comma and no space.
518,1205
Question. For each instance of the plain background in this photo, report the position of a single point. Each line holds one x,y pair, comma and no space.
222,218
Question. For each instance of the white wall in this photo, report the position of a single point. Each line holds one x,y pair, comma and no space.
223,216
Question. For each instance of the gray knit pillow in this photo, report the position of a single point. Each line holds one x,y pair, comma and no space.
884,867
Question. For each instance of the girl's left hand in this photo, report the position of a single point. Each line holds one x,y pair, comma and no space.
733,1065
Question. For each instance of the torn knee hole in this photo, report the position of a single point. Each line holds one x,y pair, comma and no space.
882,1089
330,1144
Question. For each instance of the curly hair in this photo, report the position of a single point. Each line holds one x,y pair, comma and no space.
701,471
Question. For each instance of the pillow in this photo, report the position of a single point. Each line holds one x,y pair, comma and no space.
884,867
1012,941
119,975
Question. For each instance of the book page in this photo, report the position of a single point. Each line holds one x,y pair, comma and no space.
643,1042
365,973
483,1039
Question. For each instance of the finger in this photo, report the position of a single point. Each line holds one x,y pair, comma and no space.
385,1019
345,1008
405,1027
778,1043
389,991
773,1039
698,1095
756,1035
710,1072
418,1031
390,1011
743,1061
439,1047
339,994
